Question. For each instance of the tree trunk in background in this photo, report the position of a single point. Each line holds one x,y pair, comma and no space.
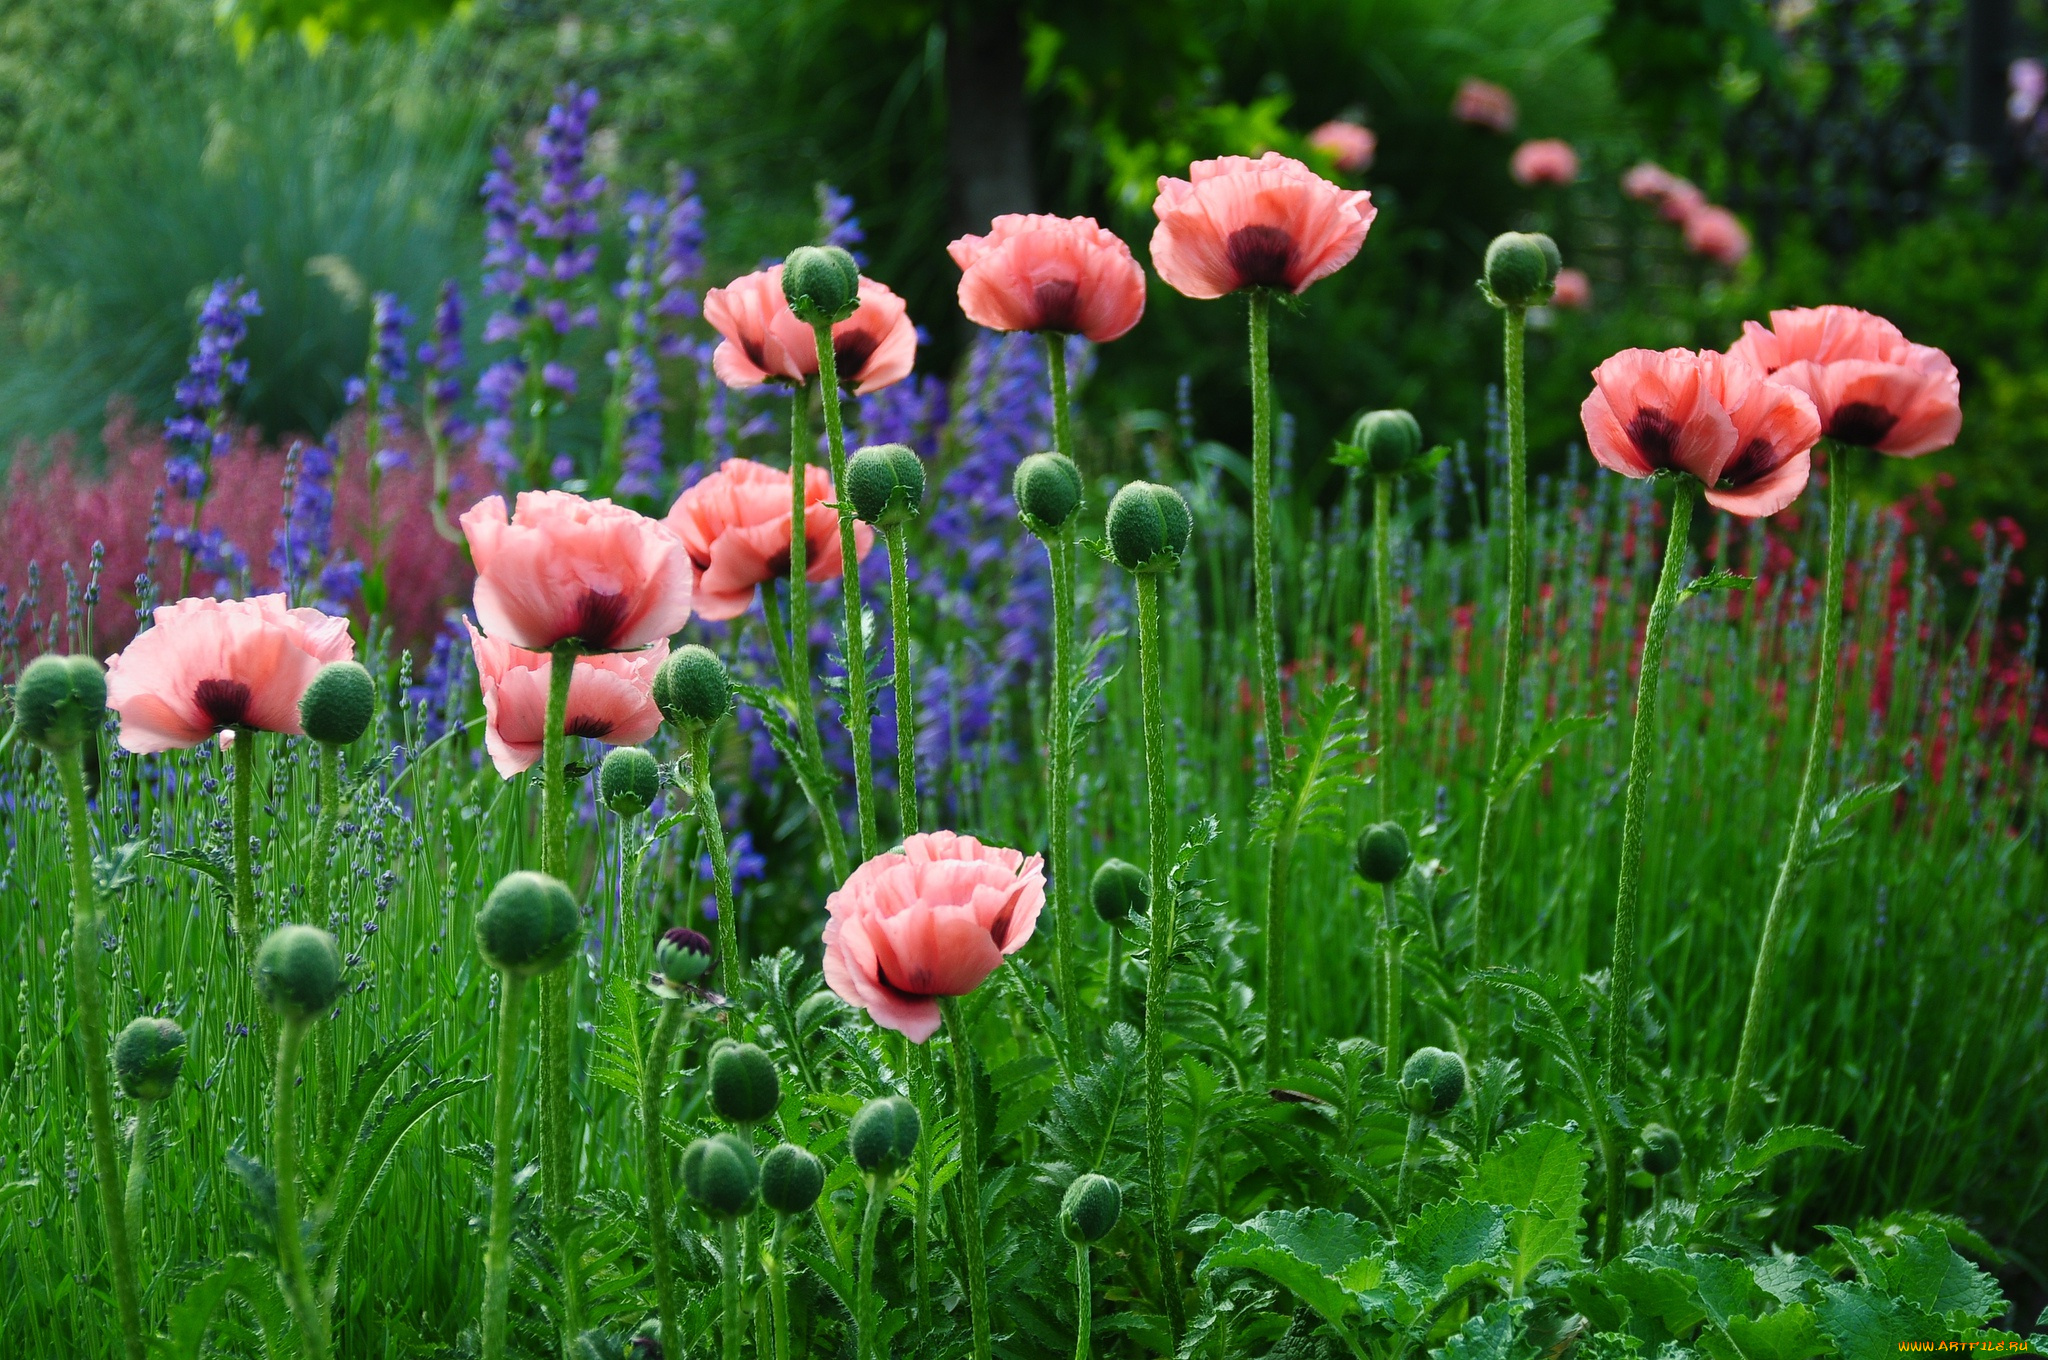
1987,49
988,125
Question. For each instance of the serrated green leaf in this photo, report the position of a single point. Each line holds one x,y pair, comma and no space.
1446,1238
395,1118
372,1074
1726,1288
1791,1333
1927,1271
1655,1283
1865,1324
1541,1167
1790,1138
1720,578
1495,1333
1304,1251
1541,743
205,863
241,1275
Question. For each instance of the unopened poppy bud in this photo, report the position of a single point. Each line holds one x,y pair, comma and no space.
645,1343
1383,854
628,781
1663,1150
883,1135
683,955
1432,1082
1091,1208
59,701
791,1179
148,1055
744,1086
821,283
819,1008
1119,890
1149,525
528,924
721,1174
692,689
1048,490
1520,268
337,707
298,971
885,485
1390,440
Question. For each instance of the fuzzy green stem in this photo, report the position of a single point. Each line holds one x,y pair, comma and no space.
1268,642
654,1149
972,1245
92,1036
1084,1302
1113,978
778,1287
1514,643
1390,974
242,752
905,684
864,1290
794,664
558,1160
1056,373
1060,781
729,1283
1383,651
138,1169
325,1066
504,1103
284,1165
1621,987
1159,838
713,832
1819,734
923,1080
857,723
1418,1126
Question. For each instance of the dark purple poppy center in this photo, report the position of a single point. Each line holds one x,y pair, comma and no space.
1751,465
224,702
599,620
851,352
896,989
1263,256
1655,435
583,725
1861,423
1056,306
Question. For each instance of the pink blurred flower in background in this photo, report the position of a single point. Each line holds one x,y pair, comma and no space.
1350,146
1548,160
1484,104
1041,273
1648,182
1718,235
1572,291
611,698
1238,223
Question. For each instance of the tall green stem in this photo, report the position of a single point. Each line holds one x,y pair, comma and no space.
713,832
321,893
92,1037
242,752
1059,742
284,1165
1384,656
1268,640
923,1080
1513,645
971,1150
905,684
729,1283
1084,1301
1641,756
558,1147
138,1169
654,1149
504,1102
1820,731
1159,836
864,1289
1418,1125
778,1287
857,725
795,665
1390,974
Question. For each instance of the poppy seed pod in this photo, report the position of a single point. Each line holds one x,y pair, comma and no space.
692,689
1663,1150
720,1173
822,1007
629,780
298,971
528,924
1432,1082
883,1135
1119,890
1090,1209
1521,267
1149,525
1390,440
1383,854
59,701
885,485
791,1179
821,283
683,955
744,1086
337,707
148,1055
1048,490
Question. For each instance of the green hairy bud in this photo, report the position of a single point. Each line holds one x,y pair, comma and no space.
1390,440
337,707
692,689
721,1175
1149,526
628,781
745,1088
883,1135
683,956
528,924
1048,490
148,1055
1432,1082
885,485
791,1179
298,971
1521,267
1663,1150
1383,854
60,701
1119,890
1091,1207
821,283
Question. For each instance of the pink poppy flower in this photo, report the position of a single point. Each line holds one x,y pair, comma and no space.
1572,290
1350,146
209,666
1651,411
1043,273
764,342
1238,223
1871,386
734,524
1484,104
1776,428
611,698
1681,202
1649,182
1717,234
1548,160
933,920
570,570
